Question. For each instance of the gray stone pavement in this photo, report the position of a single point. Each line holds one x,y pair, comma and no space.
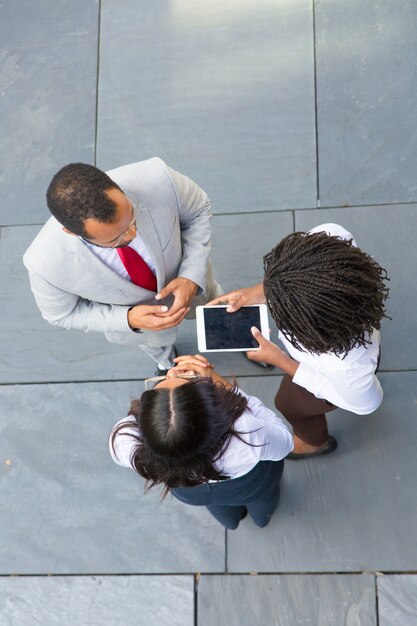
289,114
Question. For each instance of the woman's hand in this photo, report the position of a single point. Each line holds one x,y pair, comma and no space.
243,297
270,353
197,364
188,361
191,364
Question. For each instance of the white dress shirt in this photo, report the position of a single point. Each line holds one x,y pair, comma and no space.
258,425
350,382
110,256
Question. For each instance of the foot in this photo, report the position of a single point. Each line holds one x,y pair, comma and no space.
301,447
303,450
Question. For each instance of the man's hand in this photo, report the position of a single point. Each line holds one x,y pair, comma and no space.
183,290
154,317
242,297
270,353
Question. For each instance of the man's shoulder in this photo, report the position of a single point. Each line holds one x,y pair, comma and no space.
149,182
146,171
49,243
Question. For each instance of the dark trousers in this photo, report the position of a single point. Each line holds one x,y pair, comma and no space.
304,412
257,492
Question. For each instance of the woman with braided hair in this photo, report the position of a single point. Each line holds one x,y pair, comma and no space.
327,298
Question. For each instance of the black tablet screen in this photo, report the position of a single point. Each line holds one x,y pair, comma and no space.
231,330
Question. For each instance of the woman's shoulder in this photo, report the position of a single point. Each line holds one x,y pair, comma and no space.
329,361
123,438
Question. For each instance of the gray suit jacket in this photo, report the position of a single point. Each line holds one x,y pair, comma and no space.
73,288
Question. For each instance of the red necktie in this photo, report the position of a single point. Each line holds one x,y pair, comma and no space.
139,271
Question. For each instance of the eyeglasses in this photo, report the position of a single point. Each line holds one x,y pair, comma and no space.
151,382
132,224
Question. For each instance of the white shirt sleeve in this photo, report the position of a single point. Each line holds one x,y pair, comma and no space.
124,442
268,431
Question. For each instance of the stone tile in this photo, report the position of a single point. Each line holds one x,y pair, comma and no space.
366,98
222,91
239,243
352,511
35,351
263,387
328,600
397,600
388,234
127,600
48,64
67,508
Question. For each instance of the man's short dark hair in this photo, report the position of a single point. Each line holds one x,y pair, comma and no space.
325,294
76,193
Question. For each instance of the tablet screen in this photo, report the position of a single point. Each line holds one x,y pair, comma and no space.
231,330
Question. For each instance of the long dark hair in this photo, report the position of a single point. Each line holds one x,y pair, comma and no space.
324,294
182,432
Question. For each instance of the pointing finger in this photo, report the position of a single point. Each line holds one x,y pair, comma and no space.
257,334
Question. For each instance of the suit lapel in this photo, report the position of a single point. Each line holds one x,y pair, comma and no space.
147,232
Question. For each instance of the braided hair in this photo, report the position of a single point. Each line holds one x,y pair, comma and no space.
324,293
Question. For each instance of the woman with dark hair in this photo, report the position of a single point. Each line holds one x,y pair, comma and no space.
327,297
206,441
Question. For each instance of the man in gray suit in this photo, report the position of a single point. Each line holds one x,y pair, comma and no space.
126,253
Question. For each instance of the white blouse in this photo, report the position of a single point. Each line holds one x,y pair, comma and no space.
350,382
258,426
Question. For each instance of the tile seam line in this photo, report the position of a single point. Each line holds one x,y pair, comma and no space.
313,7
265,211
357,206
280,211
97,81
376,598
115,380
376,573
195,599
132,380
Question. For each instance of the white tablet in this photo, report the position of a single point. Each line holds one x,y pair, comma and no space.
219,331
